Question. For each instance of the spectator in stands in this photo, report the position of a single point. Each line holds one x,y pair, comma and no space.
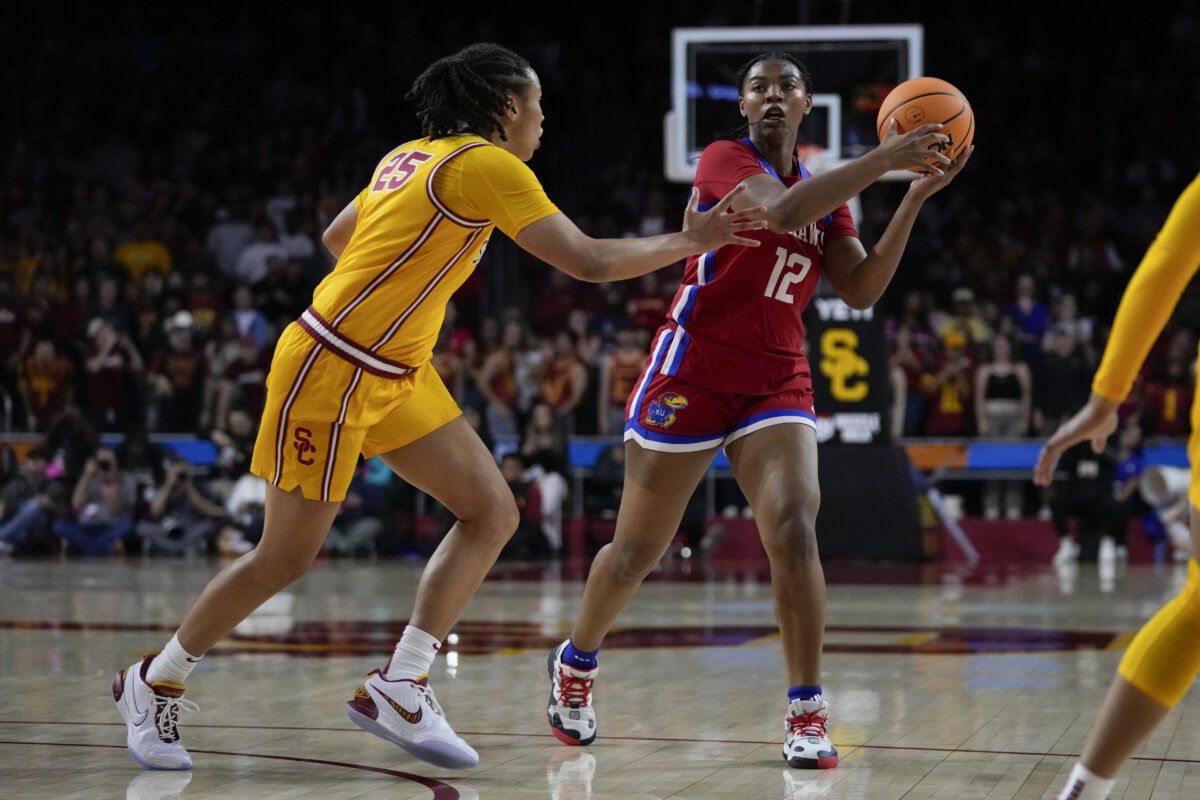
557,295
498,382
110,304
284,293
450,366
529,541
619,371
143,251
1088,501
245,512
1032,318
966,319
103,505
47,386
26,506
948,390
178,375
243,384
229,236
588,343
1168,400
203,302
910,363
73,315
149,311
297,239
358,523
249,320
111,366
564,381
181,520
252,266
1066,379
603,487
647,304
612,315
235,443
1003,402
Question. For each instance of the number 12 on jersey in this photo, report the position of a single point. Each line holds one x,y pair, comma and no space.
780,285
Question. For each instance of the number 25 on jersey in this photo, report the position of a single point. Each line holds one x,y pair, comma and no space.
399,169
783,277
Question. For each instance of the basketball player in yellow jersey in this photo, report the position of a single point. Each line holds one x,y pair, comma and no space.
1163,659
352,376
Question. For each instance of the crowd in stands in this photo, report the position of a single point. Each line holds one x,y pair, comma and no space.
154,242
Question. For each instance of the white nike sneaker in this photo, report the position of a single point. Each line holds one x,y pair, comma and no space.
405,713
151,714
570,713
806,744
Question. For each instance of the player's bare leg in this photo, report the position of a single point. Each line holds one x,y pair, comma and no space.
149,693
396,703
777,470
656,492
453,466
293,531
1126,719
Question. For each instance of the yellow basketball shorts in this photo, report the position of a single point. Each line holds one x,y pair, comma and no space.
327,402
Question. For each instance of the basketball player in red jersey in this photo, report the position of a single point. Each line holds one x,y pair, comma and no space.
728,369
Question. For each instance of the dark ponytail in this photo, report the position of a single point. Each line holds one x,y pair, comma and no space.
738,131
464,92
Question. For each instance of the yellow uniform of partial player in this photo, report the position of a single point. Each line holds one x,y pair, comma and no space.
1164,657
352,375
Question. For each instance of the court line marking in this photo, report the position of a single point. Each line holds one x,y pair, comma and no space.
441,791
1156,759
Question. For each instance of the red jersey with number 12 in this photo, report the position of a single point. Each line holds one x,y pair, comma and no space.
736,315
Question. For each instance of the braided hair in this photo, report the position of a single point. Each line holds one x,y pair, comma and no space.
464,92
738,131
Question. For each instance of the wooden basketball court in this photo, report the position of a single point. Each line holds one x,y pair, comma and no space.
941,686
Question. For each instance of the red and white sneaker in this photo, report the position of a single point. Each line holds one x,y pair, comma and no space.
151,714
405,713
806,744
570,714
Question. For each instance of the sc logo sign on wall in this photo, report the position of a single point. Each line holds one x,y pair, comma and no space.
846,370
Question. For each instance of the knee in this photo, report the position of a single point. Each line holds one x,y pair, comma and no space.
493,518
789,531
277,571
630,565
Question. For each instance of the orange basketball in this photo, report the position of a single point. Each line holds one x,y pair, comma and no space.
922,100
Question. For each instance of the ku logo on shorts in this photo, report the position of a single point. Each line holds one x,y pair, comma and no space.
304,446
662,410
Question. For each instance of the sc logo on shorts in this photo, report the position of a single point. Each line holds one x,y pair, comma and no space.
662,411
304,446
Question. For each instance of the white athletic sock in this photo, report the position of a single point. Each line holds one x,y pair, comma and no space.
414,655
173,664
1086,785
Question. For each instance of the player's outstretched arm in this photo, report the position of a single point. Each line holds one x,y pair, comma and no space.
859,277
807,201
559,242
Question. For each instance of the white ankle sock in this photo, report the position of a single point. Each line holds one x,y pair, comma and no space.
1086,785
414,655
172,665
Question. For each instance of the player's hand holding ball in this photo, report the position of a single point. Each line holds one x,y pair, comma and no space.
929,115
